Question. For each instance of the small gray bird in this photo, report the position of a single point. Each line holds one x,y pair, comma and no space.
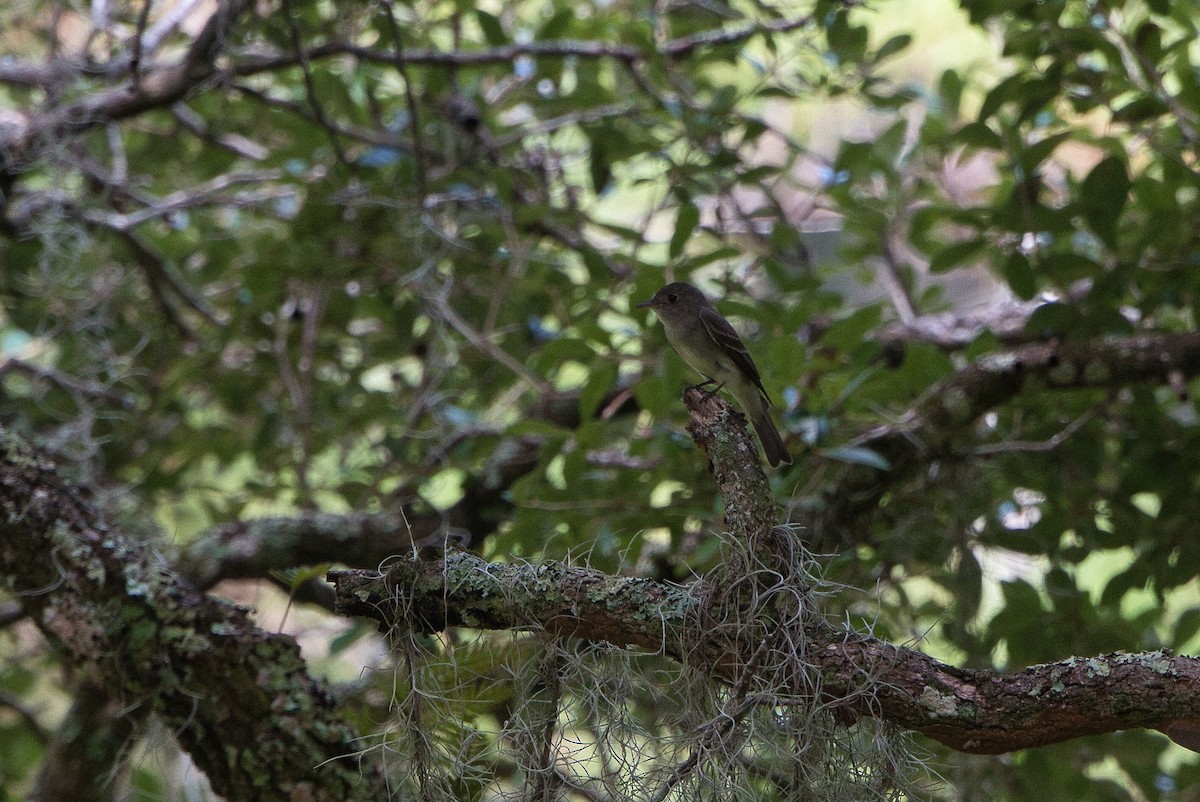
708,344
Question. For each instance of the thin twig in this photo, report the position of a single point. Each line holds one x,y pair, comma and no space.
1035,446
410,97
167,23
206,194
446,312
135,57
586,49
236,143
310,87
367,136
73,385
893,281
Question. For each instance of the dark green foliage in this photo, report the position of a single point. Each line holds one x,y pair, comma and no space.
376,315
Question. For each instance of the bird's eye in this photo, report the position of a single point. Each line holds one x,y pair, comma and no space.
672,297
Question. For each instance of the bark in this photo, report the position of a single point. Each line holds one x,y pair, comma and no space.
969,710
240,701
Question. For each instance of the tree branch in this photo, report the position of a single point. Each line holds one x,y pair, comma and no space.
855,675
928,430
253,549
150,89
586,49
969,710
239,700
81,388
88,744
720,431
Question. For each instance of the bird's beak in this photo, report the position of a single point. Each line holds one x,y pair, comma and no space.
646,304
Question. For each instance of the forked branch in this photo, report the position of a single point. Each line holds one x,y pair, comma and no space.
969,710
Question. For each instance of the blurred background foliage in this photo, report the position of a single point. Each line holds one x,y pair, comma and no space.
369,278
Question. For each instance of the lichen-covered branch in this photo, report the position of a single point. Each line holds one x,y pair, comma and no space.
722,434
254,548
257,547
969,710
86,745
239,700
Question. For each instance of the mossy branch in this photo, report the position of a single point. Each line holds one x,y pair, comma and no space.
969,710
240,700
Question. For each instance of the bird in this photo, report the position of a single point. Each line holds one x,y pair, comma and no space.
709,345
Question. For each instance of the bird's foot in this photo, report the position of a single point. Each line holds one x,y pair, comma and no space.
708,393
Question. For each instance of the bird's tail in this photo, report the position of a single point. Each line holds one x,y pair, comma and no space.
768,435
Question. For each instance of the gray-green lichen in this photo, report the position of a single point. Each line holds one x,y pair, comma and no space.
942,704
1097,371
957,404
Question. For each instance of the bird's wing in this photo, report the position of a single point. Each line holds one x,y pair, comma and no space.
723,334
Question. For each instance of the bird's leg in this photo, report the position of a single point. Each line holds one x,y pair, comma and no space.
707,383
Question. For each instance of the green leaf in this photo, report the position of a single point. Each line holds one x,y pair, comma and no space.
1134,577
1066,268
526,427
1140,109
493,31
685,224
342,642
848,42
1052,320
950,92
600,167
1102,198
655,395
893,46
1148,39
602,377
1037,152
956,254
979,135
295,577
1018,272
1022,609
1186,628
1001,93
968,584
848,332
594,261
857,455
1036,94
558,25
553,354
854,157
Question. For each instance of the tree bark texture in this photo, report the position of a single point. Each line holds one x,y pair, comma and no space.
240,701
969,710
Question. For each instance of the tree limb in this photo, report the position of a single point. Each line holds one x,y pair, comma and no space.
931,427
148,90
585,49
88,744
239,700
969,710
